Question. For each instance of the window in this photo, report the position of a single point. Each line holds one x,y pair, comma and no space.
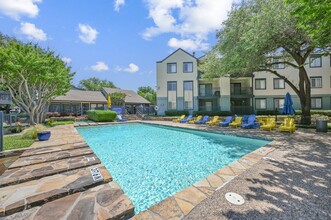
316,103
172,95
205,90
279,84
171,67
315,61
188,95
260,103
278,65
316,82
278,103
188,67
260,84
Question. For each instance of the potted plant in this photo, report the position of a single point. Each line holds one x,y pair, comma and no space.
41,133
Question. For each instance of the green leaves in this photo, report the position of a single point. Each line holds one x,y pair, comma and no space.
148,93
95,84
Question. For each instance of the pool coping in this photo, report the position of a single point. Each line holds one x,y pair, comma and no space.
183,202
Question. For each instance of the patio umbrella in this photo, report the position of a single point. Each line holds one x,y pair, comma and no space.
288,109
108,101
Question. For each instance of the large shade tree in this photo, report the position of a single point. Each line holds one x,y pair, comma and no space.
95,84
256,32
33,76
148,93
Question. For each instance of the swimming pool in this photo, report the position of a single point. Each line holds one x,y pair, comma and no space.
152,162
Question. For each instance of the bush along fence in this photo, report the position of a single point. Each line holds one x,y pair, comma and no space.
101,115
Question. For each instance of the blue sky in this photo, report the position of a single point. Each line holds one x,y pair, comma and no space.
117,40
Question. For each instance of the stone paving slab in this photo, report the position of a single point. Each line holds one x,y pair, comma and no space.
22,196
53,148
27,173
107,201
52,156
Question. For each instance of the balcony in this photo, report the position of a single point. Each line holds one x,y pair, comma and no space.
211,109
241,110
209,93
242,92
5,98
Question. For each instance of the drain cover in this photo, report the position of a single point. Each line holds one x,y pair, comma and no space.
234,198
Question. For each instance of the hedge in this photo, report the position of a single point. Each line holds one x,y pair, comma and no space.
316,112
212,113
176,112
267,112
101,115
70,118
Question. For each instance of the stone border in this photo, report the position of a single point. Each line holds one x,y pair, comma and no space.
181,203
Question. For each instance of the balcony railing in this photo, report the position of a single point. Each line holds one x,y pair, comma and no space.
240,110
212,109
210,93
242,91
5,98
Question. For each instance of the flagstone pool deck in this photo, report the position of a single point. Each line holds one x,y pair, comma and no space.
290,178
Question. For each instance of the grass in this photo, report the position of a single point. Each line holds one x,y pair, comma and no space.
26,139
55,123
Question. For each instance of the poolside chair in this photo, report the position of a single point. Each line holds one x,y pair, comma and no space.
250,122
214,121
178,119
269,124
288,125
244,120
185,120
237,122
226,121
193,120
204,120
120,118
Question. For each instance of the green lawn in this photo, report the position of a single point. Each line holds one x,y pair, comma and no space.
17,141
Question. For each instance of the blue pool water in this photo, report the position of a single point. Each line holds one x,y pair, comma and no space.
153,162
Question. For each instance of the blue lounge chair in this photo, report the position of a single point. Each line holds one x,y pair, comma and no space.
204,120
244,120
185,120
226,122
120,118
250,122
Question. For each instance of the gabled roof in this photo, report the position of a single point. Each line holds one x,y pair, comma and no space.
179,49
82,96
131,96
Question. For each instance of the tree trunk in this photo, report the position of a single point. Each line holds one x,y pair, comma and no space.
305,96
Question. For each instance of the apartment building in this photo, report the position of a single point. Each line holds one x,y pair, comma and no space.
180,86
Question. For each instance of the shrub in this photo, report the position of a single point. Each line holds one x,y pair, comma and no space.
316,112
267,112
101,115
212,113
176,112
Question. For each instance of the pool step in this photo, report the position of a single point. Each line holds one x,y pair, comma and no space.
53,148
16,198
50,156
35,171
101,202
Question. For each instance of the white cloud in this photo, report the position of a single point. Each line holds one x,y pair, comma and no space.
100,66
18,8
118,3
87,33
32,32
188,44
191,20
67,60
132,68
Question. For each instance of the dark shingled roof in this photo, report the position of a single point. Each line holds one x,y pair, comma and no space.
131,96
82,96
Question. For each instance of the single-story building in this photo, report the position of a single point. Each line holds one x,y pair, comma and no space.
133,101
77,102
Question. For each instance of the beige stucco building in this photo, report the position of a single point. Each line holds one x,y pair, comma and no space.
181,87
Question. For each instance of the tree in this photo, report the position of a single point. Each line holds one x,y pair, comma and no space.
117,99
95,84
148,93
314,16
33,76
256,32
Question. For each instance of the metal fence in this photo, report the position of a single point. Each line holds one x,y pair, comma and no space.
12,119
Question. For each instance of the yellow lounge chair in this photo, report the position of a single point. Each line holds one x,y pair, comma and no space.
288,125
269,124
237,122
214,121
178,119
192,121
